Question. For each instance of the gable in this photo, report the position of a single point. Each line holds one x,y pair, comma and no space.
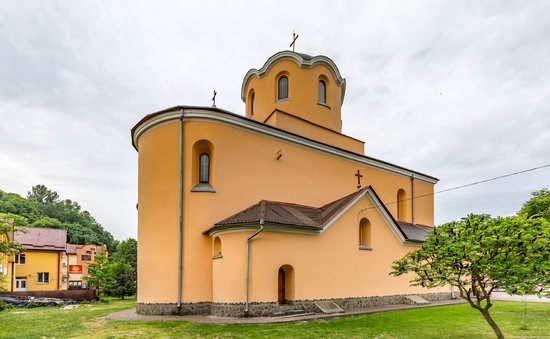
296,218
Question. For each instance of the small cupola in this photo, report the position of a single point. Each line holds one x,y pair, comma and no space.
306,87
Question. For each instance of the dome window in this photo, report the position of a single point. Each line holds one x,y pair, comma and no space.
322,92
282,88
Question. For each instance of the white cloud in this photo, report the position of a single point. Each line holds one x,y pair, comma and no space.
455,89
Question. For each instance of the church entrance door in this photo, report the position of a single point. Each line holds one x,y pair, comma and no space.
282,283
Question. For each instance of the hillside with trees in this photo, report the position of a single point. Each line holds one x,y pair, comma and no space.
44,208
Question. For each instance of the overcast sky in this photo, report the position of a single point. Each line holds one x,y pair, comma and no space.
458,90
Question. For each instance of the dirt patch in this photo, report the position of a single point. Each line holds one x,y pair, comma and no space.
95,323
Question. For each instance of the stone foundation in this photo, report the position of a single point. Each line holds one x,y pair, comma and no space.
202,308
266,309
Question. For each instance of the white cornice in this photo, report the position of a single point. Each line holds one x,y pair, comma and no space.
239,122
303,63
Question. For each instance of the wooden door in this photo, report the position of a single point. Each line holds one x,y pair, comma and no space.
282,284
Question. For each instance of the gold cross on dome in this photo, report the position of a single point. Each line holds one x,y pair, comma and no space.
293,43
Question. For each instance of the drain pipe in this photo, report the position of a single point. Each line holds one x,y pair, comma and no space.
413,217
246,309
180,233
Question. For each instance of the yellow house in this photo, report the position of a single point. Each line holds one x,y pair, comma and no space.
240,214
39,267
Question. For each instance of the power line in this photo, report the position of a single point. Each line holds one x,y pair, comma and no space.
493,179
468,185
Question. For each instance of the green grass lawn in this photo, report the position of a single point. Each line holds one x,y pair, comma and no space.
456,321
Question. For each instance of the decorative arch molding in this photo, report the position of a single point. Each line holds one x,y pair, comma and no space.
201,148
302,60
216,248
401,204
250,103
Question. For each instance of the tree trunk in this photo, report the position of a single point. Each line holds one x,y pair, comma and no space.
492,323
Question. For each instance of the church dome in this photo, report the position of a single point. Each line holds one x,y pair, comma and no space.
305,86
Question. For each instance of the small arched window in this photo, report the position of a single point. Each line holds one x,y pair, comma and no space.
252,97
204,168
282,88
322,92
401,204
365,234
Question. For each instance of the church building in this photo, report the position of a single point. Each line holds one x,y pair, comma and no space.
245,215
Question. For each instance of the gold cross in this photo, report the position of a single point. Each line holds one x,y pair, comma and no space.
359,176
293,43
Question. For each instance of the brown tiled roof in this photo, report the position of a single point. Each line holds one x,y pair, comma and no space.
71,248
276,212
38,238
316,218
416,232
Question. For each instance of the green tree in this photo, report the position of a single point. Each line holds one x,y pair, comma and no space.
126,251
42,194
122,279
7,247
98,273
478,254
43,208
537,206
7,227
125,273
47,222
15,204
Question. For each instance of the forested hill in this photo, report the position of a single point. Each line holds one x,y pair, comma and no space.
44,208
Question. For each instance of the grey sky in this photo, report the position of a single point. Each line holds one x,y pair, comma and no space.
458,90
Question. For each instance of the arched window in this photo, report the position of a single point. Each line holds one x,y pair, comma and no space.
203,173
204,168
322,92
217,247
365,234
401,204
252,97
282,88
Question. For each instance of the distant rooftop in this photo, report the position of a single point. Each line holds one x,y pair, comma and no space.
38,238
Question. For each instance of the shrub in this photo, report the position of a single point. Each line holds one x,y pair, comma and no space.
4,306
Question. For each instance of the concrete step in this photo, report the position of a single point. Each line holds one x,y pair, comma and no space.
328,307
288,310
415,300
295,315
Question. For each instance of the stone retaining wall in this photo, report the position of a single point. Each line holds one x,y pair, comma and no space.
267,308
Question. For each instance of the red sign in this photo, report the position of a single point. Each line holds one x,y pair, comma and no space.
75,269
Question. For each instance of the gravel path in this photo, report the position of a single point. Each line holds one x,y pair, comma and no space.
513,297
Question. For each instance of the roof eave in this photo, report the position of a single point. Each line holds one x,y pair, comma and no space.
370,160
271,226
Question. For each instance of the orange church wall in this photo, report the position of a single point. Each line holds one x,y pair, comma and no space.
424,203
245,171
295,125
158,174
329,265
